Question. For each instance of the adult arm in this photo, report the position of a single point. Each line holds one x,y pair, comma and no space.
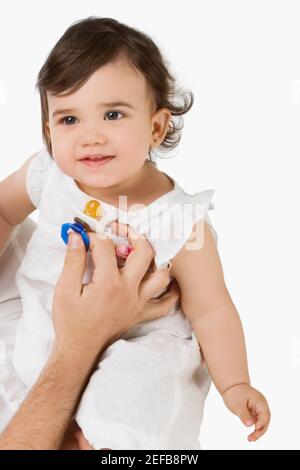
86,320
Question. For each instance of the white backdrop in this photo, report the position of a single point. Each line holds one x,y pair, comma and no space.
242,137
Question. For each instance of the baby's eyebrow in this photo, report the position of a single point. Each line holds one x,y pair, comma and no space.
116,103
103,105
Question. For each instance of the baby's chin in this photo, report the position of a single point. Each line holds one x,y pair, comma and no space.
92,178
95,183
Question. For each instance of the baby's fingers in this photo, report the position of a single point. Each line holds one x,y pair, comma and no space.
83,443
261,424
246,418
257,433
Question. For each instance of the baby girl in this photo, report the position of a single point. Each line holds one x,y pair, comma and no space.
108,105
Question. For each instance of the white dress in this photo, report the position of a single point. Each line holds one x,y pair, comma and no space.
149,388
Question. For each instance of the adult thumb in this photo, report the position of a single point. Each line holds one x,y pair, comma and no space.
74,264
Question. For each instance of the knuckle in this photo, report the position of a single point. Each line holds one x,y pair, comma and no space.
61,294
59,288
113,285
73,260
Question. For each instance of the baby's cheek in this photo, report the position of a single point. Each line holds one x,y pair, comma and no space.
64,163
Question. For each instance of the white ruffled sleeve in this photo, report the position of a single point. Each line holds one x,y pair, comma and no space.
205,197
37,174
174,226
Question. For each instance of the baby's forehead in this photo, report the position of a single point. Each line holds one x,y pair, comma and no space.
115,81
92,97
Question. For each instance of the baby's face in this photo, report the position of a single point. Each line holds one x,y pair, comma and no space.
89,126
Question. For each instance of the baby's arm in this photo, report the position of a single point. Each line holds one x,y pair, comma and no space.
207,303
15,204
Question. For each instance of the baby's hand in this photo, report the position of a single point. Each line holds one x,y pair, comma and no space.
250,406
83,443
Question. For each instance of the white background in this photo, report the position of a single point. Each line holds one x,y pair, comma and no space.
241,59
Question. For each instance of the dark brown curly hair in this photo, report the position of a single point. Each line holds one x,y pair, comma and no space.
93,42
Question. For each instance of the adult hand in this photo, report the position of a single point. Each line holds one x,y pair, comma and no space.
115,300
86,319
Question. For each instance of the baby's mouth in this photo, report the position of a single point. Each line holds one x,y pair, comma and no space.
96,160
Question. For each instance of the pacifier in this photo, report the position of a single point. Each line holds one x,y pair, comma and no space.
92,209
92,215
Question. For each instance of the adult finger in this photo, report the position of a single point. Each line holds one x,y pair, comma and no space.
121,230
154,283
121,249
138,261
104,257
74,265
158,308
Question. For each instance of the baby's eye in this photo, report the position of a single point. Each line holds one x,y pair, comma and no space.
64,120
114,112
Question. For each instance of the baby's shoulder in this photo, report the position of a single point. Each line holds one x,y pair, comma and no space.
198,270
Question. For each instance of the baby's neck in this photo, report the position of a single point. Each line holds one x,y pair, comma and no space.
143,187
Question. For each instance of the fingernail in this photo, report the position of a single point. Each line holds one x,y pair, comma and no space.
74,241
249,422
